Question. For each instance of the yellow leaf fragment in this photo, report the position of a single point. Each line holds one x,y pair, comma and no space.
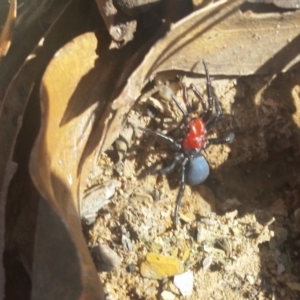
158,266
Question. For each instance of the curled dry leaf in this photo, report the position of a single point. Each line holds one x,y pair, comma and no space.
232,42
6,34
11,113
69,100
74,92
26,37
18,76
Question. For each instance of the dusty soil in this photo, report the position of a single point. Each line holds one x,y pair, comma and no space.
243,219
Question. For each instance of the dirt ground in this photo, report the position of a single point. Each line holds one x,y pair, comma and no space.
239,231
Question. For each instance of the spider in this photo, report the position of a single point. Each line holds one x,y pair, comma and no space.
194,168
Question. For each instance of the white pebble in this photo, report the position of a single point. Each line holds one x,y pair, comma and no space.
280,268
207,262
166,295
250,279
185,282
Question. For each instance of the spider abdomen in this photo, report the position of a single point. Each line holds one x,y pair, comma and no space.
196,170
196,137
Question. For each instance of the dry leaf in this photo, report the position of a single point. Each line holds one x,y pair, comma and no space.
18,76
6,34
11,114
75,90
68,107
17,81
231,42
27,36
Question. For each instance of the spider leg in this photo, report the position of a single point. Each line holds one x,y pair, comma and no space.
200,97
212,101
209,94
185,96
185,119
185,114
162,136
180,193
169,168
210,123
222,140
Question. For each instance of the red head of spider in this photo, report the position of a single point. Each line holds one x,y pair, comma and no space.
196,136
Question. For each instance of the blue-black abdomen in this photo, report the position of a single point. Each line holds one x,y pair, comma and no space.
196,171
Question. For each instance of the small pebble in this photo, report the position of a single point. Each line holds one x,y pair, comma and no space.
131,268
280,268
200,236
188,217
207,248
166,295
127,244
105,258
209,222
207,262
185,282
250,279
165,92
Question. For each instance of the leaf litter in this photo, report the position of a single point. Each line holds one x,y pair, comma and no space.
256,175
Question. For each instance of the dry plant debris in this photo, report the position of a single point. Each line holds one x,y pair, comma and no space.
84,103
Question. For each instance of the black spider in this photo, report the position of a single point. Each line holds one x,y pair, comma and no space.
194,168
